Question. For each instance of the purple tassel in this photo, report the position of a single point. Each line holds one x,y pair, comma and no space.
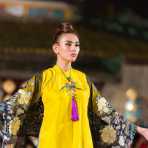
74,112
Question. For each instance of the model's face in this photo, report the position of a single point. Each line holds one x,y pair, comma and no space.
67,47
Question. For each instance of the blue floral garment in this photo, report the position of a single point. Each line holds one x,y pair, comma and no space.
109,128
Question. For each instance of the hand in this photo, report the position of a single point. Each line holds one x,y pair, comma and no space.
10,146
143,131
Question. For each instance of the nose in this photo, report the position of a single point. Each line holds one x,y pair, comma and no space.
74,48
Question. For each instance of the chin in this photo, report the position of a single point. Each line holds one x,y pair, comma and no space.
73,60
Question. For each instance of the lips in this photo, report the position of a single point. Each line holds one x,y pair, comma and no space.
73,54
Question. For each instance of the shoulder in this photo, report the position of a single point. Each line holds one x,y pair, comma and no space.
84,77
47,73
79,73
81,76
47,70
41,74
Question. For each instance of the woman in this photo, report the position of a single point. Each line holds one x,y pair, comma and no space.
75,115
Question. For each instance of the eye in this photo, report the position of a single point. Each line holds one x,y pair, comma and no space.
77,45
68,44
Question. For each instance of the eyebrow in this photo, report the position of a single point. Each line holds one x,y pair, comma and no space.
72,41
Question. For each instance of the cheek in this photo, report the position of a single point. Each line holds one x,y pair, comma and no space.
78,50
64,53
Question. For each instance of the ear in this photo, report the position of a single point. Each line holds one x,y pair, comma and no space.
55,48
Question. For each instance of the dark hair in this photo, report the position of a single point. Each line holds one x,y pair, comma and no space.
61,29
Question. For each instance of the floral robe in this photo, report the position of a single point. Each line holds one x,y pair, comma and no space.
22,114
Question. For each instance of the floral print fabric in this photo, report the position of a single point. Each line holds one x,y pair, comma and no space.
15,107
110,129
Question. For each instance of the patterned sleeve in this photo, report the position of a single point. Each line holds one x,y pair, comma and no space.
14,108
111,128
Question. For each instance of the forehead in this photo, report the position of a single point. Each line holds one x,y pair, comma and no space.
69,37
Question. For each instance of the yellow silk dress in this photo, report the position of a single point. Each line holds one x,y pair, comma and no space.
108,128
57,129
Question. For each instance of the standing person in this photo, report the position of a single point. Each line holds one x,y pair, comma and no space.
75,114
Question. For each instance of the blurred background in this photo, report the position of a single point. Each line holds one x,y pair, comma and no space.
114,48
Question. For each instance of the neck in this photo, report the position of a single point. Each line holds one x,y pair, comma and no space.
65,66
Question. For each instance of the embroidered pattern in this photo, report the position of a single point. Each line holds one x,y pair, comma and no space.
108,135
118,131
14,126
14,109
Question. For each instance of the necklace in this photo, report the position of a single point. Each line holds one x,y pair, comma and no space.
70,85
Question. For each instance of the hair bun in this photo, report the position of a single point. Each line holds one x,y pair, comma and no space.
65,28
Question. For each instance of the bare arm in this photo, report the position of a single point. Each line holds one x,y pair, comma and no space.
142,131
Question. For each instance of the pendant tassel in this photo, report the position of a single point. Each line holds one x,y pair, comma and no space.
74,112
